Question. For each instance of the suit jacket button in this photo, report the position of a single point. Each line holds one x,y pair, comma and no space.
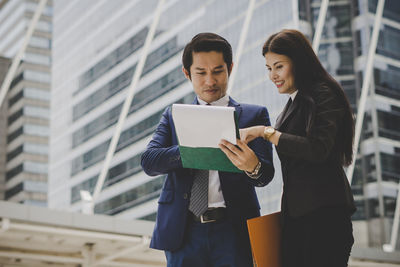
185,196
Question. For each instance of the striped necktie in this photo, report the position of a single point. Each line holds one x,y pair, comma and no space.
199,195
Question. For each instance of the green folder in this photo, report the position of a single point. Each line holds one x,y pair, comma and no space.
206,126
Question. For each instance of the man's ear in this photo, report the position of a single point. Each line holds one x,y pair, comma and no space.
187,74
230,69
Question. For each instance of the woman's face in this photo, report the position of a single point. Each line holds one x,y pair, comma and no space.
280,69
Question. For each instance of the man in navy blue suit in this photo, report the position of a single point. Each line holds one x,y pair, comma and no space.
217,234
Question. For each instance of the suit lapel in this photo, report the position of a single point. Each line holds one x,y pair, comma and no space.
236,105
287,111
238,109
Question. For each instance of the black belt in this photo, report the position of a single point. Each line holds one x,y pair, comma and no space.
211,215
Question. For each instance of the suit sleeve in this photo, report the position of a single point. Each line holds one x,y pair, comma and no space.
317,146
263,150
160,156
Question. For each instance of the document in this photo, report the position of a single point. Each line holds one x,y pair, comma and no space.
265,240
199,130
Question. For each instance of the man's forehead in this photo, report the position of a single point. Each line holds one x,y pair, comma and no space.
212,59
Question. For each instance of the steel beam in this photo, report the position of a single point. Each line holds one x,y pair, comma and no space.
5,86
242,39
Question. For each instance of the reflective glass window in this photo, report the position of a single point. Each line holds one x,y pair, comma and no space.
131,198
143,97
387,82
337,58
116,174
128,137
338,21
391,9
389,124
112,59
14,190
389,42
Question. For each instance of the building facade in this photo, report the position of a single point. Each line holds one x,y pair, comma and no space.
344,49
4,65
26,103
97,45
379,160
94,58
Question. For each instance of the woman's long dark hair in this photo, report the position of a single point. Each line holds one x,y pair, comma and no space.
309,74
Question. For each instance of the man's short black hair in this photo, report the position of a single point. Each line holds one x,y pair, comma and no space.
206,42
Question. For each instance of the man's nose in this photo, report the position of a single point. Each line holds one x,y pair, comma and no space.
210,80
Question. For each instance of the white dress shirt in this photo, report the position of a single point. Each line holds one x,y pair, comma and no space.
215,197
293,95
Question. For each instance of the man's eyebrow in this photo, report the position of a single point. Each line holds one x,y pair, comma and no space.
219,67
216,68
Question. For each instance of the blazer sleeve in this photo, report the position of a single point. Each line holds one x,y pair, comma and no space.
317,146
161,156
263,150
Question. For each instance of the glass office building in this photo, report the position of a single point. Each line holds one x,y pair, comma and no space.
4,65
96,48
343,51
26,107
97,45
378,173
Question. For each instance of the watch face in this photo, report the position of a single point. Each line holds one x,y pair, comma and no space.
270,130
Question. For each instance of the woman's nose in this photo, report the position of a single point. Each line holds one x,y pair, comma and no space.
273,75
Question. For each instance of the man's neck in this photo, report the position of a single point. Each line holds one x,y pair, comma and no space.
223,101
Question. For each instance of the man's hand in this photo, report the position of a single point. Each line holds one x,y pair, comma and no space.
251,133
242,157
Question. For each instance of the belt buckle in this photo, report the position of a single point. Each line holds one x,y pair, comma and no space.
205,221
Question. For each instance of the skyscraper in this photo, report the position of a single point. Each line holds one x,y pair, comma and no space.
379,160
96,49
4,65
27,102
344,49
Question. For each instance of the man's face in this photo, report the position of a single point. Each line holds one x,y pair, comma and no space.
209,75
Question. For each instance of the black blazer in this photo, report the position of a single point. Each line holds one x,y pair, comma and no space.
313,176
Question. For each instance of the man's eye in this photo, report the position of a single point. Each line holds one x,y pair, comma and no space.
218,71
200,73
279,66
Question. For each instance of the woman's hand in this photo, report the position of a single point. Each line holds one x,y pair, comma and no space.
251,133
242,157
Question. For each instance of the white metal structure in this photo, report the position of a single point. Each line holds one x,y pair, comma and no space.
17,59
320,25
242,39
366,84
36,236
127,104
132,87
395,227
362,101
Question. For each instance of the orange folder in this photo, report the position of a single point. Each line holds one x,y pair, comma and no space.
265,240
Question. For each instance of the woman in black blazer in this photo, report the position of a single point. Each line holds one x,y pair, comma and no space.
314,140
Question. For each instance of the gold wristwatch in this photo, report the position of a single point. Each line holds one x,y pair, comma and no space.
268,132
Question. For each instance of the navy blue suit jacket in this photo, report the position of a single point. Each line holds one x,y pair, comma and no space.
162,157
